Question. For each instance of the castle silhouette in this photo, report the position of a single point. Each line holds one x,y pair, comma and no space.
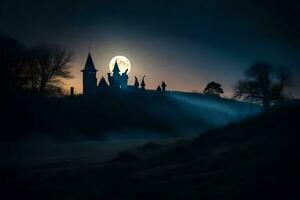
116,79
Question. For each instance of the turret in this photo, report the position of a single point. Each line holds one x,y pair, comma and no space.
116,80
124,79
116,70
143,84
102,84
89,77
136,83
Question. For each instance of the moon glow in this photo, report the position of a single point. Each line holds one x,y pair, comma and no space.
123,63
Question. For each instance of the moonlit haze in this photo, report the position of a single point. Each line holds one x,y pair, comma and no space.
186,45
123,64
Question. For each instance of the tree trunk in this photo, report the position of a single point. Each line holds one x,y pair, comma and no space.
42,89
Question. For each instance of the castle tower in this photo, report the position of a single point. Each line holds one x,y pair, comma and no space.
116,70
124,79
143,84
102,84
89,77
115,78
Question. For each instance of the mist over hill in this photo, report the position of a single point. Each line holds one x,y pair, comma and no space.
127,115
255,158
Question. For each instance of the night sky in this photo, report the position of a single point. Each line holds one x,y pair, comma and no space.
185,43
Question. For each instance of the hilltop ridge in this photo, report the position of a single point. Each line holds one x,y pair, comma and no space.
256,158
131,114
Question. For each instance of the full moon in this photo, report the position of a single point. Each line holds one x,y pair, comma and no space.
123,63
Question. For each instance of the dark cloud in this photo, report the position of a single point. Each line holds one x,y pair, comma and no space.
264,18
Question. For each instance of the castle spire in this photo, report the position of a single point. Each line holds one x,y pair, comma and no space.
143,84
136,82
102,84
89,77
116,69
89,65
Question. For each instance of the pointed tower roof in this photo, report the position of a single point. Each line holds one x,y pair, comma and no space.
116,68
136,82
89,65
143,82
103,83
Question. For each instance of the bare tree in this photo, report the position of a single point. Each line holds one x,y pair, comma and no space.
49,65
283,81
213,89
261,86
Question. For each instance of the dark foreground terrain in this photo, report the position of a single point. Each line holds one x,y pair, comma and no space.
256,158
119,115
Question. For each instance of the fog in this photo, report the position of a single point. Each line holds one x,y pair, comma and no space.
218,112
187,116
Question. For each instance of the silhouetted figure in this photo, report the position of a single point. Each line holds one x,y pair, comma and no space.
158,89
136,83
163,86
89,77
262,84
71,91
143,85
213,89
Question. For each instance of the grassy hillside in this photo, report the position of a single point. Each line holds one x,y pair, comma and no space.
124,115
256,158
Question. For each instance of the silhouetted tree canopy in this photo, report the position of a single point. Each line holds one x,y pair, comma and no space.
263,84
158,89
163,86
214,89
37,70
49,64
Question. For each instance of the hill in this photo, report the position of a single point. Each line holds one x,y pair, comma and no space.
124,115
256,158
